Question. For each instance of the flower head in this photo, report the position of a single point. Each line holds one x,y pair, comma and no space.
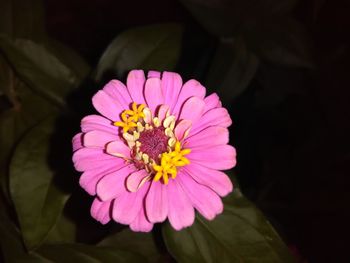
155,152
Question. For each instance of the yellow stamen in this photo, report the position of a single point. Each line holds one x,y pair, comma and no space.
131,117
169,163
124,117
177,146
185,151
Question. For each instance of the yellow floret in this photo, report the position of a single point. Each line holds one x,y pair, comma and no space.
169,163
131,117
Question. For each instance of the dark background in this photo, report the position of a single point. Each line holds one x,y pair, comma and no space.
293,152
291,124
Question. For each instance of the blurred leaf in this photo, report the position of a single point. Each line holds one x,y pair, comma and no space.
274,89
41,70
70,58
149,47
22,19
77,253
143,243
4,76
232,69
37,198
27,110
63,232
11,244
229,17
239,234
282,41
14,252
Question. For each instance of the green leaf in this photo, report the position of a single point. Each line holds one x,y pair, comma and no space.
239,234
11,244
281,40
14,251
227,18
4,76
38,199
64,231
77,253
70,58
39,69
22,19
27,110
232,69
142,243
154,47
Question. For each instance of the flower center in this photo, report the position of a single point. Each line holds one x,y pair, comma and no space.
152,142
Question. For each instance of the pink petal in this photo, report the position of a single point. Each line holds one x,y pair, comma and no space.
192,109
157,202
181,212
211,136
87,158
136,180
162,112
207,202
113,185
211,102
140,223
216,180
189,89
89,179
98,139
97,122
118,92
153,74
220,157
101,211
182,129
135,82
77,141
108,107
214,117
128,205
171,86
153,93
119,149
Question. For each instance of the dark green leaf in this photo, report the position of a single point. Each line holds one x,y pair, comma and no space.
142,243
64,231
229,17
41,70
273,87
11,244
232,69
4,76
282,41
77,253
22,19
70,58
149,47
14,252
37,198
27,110
239,234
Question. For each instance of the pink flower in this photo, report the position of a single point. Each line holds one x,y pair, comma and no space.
155,153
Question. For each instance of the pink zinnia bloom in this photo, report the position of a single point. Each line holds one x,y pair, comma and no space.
155,153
